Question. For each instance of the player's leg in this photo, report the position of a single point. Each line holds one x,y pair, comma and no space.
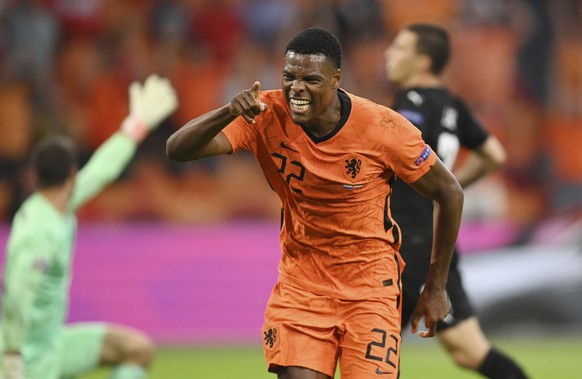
87,346
469,348
462,336
81,348
130,351
370,340
43,366
300,335
465,343
299,373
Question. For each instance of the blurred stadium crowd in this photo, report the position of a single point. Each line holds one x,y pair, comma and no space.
65,66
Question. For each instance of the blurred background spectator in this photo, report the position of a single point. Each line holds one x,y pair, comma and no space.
65,66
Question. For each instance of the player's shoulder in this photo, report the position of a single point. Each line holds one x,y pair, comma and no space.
363,108
420,96
38,215
418,103
443,95
37,229
371,118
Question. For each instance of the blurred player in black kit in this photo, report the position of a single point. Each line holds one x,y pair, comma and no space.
414,62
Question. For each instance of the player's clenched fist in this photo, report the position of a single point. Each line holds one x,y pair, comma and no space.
247,104
433,306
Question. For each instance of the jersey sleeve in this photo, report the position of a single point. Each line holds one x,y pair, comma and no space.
472,134
408,108
24,273
243,135
409,156
104,166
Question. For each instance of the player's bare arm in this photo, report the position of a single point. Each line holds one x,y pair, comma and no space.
481,162
202,136
440,185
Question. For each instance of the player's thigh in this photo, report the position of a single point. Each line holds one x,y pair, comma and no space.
44,366
300,373
81,350
370,345
300,331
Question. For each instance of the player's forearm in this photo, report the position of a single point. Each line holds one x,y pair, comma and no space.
447,219
473,170
481,162
190,141
105,165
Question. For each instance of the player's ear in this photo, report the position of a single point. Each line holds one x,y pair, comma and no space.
425,62
337,78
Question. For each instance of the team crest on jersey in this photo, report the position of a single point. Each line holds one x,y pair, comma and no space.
270,336
353,167
353,171
40,265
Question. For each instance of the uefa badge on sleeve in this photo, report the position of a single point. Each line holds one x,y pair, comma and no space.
423,157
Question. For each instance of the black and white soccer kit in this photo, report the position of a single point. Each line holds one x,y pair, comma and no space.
446,125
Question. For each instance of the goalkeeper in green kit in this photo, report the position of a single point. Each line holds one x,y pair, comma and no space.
35,342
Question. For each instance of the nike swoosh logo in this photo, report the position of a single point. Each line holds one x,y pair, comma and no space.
287,147
380,372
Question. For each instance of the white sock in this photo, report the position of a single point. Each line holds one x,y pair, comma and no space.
128,371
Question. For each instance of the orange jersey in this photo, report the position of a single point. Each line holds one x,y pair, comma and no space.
337,236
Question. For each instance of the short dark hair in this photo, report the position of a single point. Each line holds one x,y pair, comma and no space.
317,40
432,40
53,159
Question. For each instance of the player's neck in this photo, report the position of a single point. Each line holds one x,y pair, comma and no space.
328,121
423,80
58,197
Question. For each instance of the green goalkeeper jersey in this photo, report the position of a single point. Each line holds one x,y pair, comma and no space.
38,259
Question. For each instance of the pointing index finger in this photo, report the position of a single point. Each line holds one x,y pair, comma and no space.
255,89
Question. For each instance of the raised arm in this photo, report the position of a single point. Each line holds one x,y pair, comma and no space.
440,185
202,136
149,105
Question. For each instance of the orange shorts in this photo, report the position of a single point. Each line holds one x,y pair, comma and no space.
313,331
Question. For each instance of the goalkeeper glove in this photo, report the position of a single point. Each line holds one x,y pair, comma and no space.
149,105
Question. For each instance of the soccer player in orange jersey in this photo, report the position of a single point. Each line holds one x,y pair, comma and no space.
332,158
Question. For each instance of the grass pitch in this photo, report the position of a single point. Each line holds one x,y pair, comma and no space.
541,357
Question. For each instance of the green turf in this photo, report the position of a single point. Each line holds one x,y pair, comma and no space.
541,357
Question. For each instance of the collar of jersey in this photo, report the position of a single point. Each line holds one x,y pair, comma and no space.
346,109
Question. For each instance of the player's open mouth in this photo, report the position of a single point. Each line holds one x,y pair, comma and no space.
299,105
